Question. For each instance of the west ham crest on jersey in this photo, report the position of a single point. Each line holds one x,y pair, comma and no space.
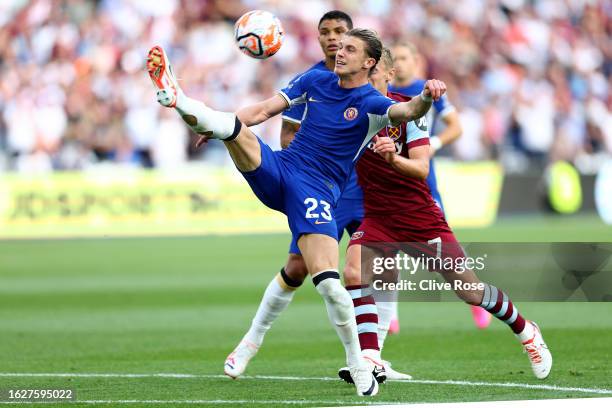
357,235
350,113
394,132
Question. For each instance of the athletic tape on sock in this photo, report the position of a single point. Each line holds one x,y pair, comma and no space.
236,132
288,281
320,277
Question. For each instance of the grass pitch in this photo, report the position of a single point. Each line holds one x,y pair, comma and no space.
137,322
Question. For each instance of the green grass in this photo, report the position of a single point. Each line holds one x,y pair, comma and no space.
179,305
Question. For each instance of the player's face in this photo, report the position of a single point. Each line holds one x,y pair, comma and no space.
381,75
330,34
404,62
352,58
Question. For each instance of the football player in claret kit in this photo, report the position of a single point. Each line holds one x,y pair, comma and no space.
399,208
406,81
305,180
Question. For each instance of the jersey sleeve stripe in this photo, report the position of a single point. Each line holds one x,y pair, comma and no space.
285,97
424,141
292,120
292,102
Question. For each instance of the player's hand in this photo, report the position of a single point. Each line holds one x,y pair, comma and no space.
434,88
201,141
385,147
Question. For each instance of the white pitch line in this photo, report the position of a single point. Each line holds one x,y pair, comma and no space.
545,387
263,402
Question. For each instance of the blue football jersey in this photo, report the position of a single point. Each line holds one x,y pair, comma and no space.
440,107
337,125
295,114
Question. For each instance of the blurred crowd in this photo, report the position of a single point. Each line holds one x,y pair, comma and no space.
530,78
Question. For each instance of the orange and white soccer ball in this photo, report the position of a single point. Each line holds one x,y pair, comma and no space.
259,34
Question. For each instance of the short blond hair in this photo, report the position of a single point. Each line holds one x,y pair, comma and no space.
387,57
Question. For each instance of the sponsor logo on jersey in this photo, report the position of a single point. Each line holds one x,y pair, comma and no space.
350,113
357,235
317,222
394,132
421,123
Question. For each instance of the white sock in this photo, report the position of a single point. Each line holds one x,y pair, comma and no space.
527,333
371,354
274,301
202,119
342,315
385,314
395,315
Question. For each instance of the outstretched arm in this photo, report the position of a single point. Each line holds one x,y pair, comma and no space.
254,114
418,106
262,111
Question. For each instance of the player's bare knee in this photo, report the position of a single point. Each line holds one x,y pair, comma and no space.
352,274
352,268
470,297
295,269
245,150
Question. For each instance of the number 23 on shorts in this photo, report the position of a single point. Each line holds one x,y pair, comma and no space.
318,209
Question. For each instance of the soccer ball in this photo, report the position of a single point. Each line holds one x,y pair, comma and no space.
259,34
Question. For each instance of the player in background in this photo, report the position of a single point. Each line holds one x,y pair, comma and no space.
305,180
349,213
409,69
399,208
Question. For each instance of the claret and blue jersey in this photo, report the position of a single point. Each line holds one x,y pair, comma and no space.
439,108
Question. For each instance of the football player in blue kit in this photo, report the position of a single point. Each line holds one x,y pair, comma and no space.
407,82
348,212
305,181
349,209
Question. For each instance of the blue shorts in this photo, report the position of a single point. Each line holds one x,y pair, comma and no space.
432,182
304,195
349,214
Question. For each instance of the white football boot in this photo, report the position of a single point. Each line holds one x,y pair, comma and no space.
364,380
538,353
201,119
160,72
376,368
237,361
393,374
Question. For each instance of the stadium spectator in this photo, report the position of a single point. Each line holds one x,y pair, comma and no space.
531,79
